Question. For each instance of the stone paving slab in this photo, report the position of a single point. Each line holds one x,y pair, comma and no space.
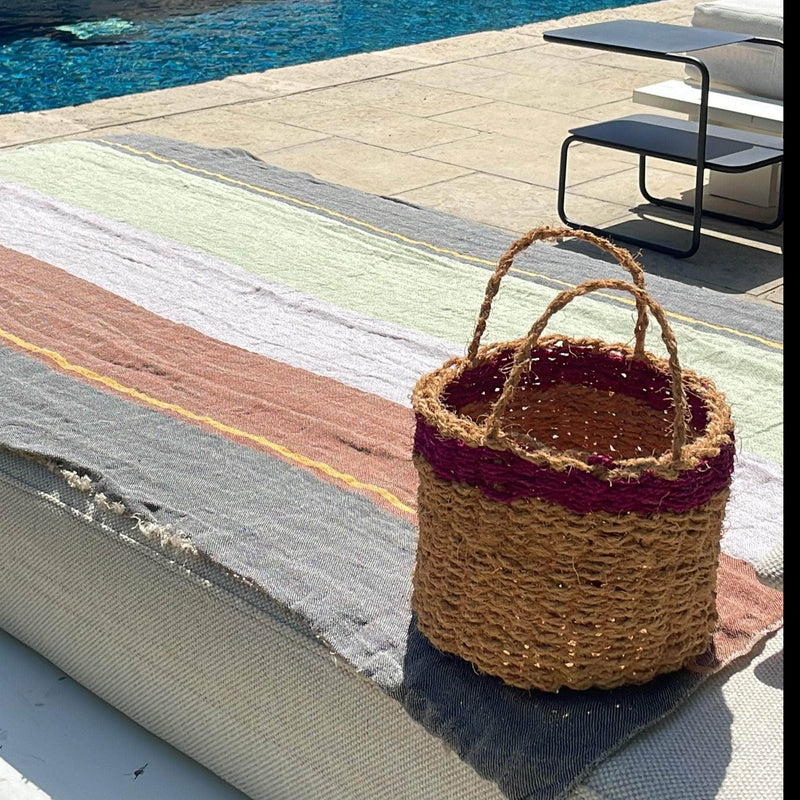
219,127
330,72
523,123
532,162
21,128
470,45
456,76
505,203
364,166
543,64
383,93
383,128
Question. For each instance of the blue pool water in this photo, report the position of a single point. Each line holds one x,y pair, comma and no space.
56,53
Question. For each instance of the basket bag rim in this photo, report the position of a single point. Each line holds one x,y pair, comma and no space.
430,392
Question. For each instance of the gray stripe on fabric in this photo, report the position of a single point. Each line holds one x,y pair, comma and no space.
221,300
60,484
572,262
332,556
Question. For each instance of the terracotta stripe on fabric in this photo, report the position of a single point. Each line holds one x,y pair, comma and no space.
747,611
355,433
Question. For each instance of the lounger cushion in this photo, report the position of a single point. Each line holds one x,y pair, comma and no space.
751,69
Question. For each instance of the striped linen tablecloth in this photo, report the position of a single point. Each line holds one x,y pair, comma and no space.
205,446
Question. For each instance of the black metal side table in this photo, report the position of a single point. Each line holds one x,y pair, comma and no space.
695,143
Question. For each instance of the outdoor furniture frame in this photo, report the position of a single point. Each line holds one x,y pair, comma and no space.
695,143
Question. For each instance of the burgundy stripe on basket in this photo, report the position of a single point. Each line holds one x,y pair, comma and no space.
580,365
504,476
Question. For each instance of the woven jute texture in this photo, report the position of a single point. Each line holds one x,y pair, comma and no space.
571,499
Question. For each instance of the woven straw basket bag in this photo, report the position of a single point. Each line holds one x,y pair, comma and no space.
571,498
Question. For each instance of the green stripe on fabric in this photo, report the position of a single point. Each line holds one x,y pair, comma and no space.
356,269
431,231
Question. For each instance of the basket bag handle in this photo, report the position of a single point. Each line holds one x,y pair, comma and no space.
643,301
623,257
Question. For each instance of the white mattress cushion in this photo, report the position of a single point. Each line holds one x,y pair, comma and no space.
748,68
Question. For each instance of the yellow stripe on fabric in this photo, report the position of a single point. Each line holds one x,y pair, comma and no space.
220,426
419,242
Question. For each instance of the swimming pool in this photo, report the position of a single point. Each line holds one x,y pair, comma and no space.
56,53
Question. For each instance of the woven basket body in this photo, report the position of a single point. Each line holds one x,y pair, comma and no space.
571,500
